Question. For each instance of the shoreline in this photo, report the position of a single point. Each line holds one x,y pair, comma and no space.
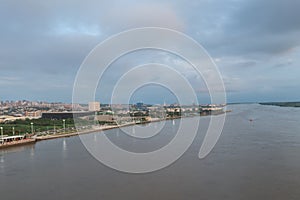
63,135
18,143
50,137
76,133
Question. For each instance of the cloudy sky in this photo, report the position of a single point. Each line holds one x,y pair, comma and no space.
254,43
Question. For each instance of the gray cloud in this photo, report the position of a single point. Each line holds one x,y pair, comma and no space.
42,41
260,27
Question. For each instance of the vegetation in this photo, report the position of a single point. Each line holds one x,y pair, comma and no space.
283,104
39,125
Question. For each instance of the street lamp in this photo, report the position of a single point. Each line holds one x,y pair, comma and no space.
31,127
64,124
2,134
13,130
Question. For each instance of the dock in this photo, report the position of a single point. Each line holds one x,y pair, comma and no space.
17,142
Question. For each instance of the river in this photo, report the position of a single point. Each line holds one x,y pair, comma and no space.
256,157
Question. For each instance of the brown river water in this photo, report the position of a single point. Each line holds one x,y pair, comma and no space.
253,159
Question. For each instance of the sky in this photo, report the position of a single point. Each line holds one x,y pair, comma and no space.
255,45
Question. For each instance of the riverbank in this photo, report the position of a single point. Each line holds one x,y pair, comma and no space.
76,133
62,135
55,136
18,143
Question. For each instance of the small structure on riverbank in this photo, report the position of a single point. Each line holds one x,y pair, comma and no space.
9,141
12,138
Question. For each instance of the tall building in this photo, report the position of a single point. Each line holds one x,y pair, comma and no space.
94,106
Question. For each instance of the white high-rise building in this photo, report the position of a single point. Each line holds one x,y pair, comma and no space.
94,106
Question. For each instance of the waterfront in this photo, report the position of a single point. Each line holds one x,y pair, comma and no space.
257,157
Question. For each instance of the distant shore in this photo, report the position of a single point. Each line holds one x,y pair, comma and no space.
282,104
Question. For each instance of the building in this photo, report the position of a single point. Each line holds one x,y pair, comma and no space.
65,115
34,114
103,119
94,106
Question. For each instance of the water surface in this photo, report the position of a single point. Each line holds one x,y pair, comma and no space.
254,159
